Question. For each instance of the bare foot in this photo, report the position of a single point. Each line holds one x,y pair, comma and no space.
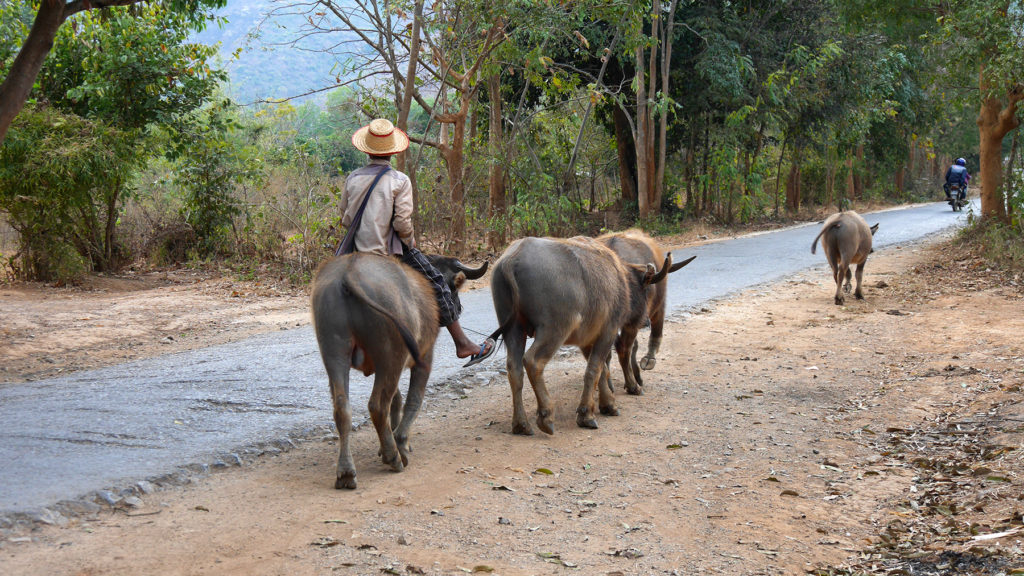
469,348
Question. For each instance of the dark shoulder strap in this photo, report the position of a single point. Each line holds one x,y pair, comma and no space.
348,243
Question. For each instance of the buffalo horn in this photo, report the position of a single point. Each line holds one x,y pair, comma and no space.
664,270
472,273
681,264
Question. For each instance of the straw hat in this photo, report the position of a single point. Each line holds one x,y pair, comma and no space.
380,138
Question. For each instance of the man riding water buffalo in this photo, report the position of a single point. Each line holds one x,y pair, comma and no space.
386,226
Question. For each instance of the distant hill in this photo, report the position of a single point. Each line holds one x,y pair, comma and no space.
266,66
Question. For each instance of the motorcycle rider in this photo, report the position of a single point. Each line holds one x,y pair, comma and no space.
957,174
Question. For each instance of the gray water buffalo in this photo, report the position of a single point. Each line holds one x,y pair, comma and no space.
636,247
846,238
377,315
574,291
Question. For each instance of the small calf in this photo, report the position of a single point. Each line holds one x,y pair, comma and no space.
846,238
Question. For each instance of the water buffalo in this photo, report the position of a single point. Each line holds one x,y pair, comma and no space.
574,291
635,247
377,315
846,238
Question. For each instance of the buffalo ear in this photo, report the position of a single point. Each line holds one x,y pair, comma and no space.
874,229
665,268
459,280
649,273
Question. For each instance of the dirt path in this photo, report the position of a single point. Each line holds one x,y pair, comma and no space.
779,434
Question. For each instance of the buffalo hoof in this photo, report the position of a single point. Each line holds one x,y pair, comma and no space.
345,483
396,465
545,424
583,421
403,453
522,429
394,461
609,410
648,362
635,391
858,295
840,301
847,287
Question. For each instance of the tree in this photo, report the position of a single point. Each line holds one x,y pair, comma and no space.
57,172
987,37
435,56
126,68
50,15
210,165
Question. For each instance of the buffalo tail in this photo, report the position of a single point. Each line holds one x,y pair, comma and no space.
407,337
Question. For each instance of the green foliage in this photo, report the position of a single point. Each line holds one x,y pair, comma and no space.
999,242
15,21
111,78
131,66
210,165
57,173
982,34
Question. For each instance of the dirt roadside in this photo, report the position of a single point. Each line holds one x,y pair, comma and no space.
779,434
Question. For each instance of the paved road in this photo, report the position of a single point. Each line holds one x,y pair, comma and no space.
67,438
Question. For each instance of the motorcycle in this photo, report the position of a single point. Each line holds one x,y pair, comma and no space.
957,196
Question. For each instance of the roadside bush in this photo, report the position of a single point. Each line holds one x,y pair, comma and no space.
58,173
999,242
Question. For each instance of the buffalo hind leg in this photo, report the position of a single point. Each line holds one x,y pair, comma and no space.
418,377
842,270
396,409
597,358
859,293
545,345
385,386
338,366
625,348
606,394
515,346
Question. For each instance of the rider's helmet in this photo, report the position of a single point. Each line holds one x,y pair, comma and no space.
961,162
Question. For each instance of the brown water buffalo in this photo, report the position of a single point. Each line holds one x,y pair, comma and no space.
574,291
377,315
636,247
846,238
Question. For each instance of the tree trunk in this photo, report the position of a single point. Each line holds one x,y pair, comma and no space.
691,168
112,199
778,175
22,75
994,122
666,62
858,180
496,196
409,89
911,153
653,187
1009,170
640,138
793,184
830,185
851,190
627,155
410,82
705,204
457,181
